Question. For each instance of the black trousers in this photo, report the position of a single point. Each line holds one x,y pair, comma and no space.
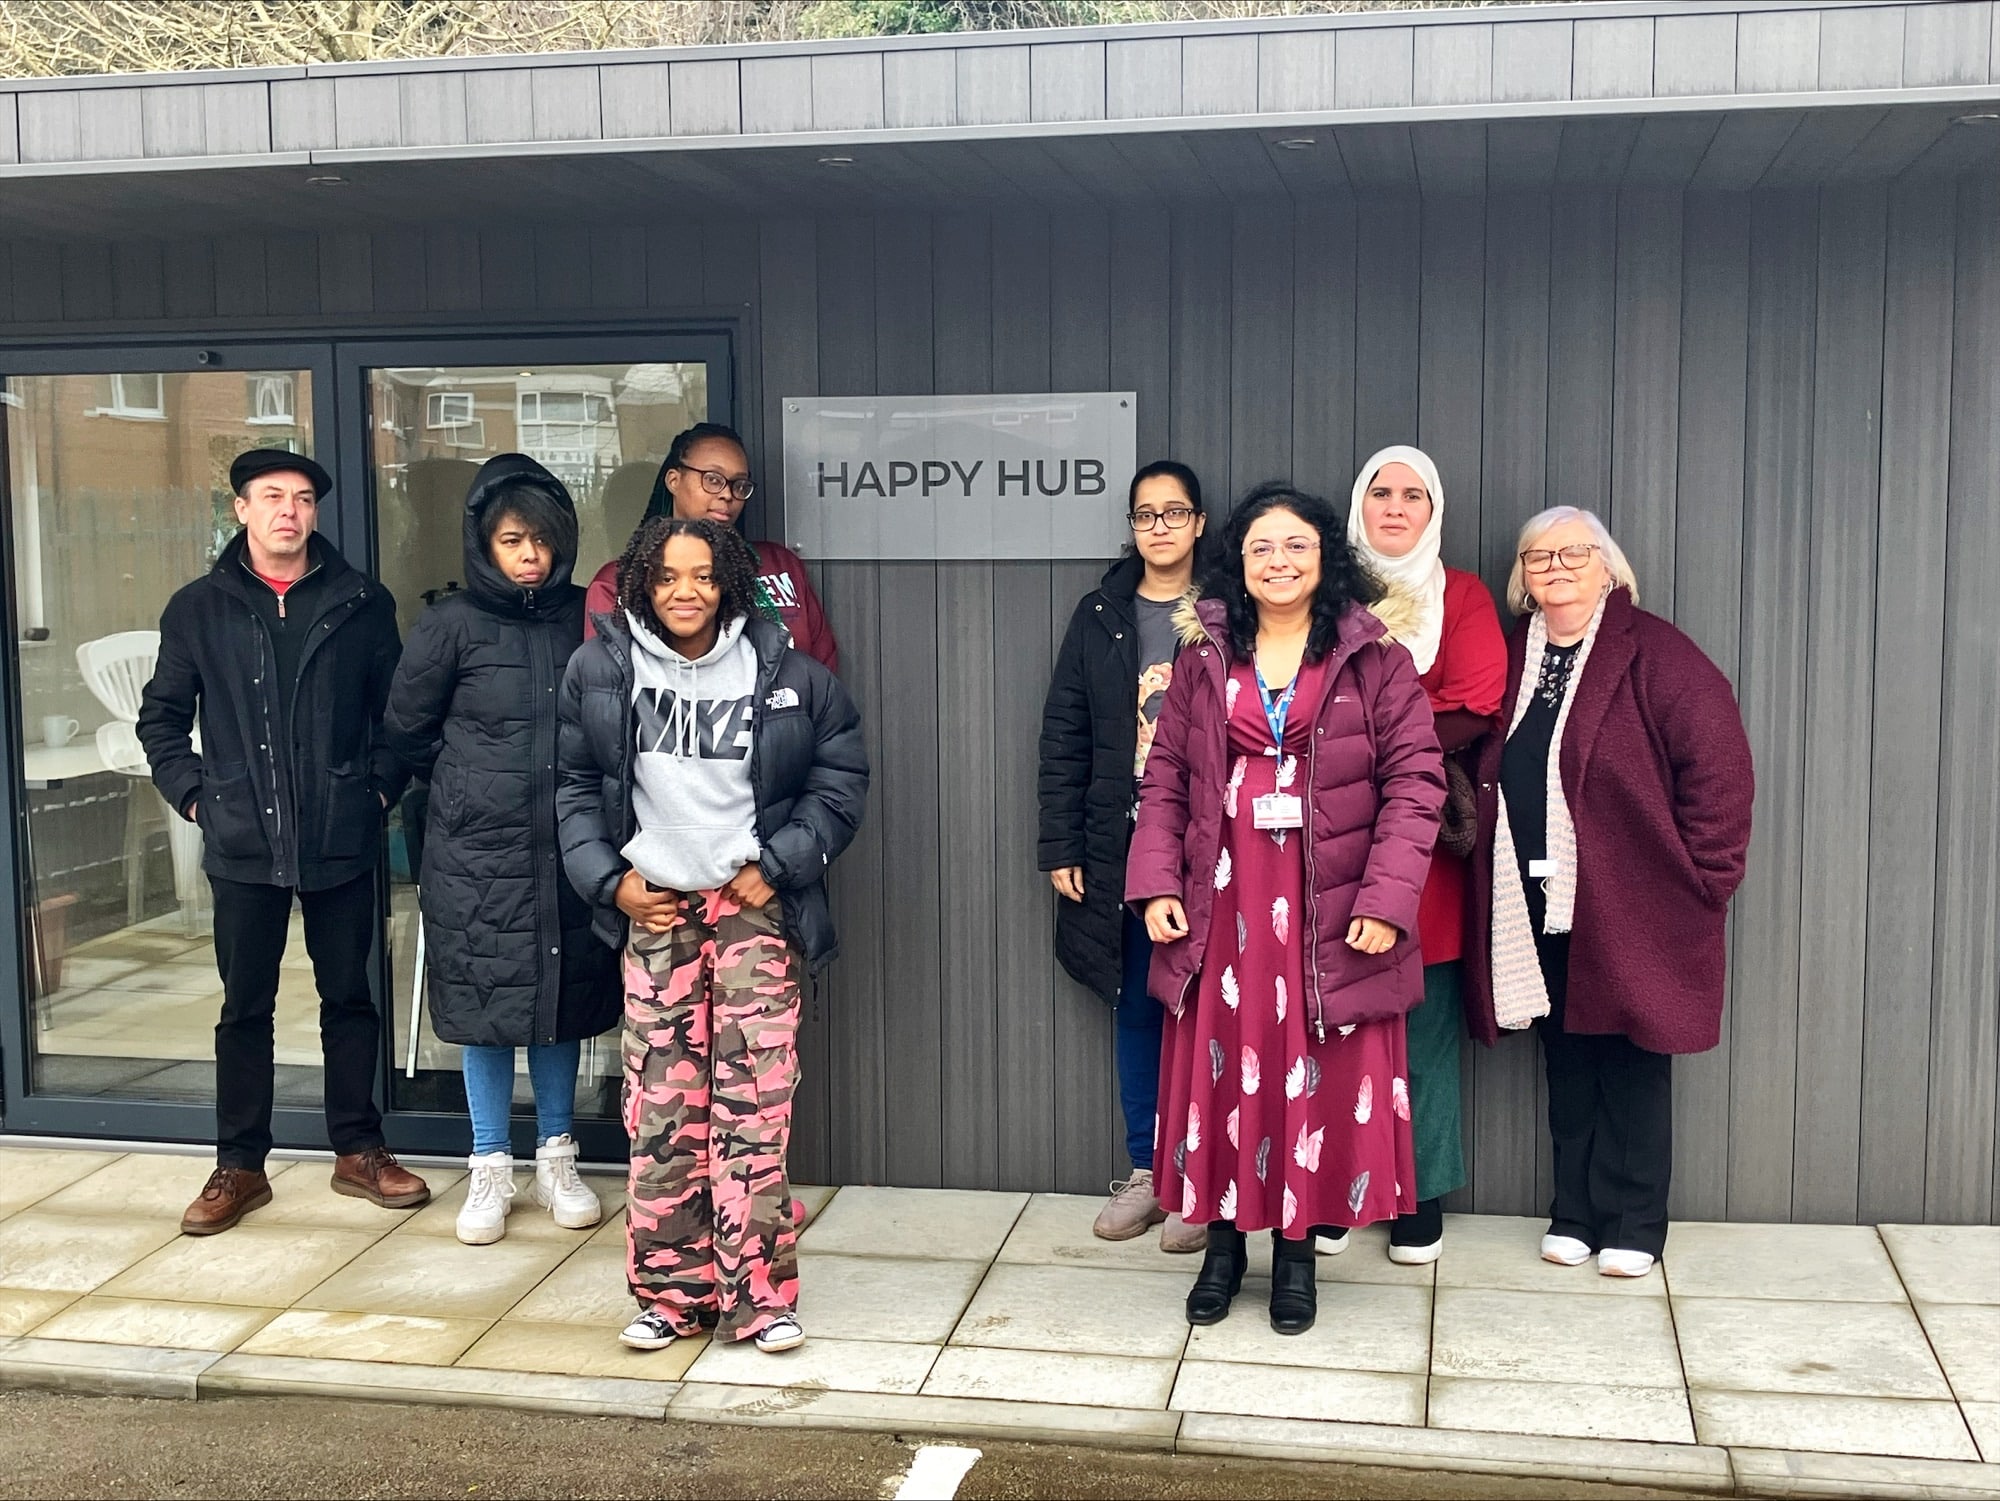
1611,1120
251,923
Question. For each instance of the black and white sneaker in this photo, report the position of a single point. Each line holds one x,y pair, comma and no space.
649,1331
782,1333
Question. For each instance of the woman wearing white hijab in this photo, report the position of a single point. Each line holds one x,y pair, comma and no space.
1395,524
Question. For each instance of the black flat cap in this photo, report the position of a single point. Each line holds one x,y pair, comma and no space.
271,461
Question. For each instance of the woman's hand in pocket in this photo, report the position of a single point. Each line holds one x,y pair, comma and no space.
651,910
749,888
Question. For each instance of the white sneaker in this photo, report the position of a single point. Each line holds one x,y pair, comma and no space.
1331,1245
560,1190
1564,1250
1624,1263
489,1198
649,1331
782,1333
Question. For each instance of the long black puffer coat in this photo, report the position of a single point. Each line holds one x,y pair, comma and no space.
473,708
808,771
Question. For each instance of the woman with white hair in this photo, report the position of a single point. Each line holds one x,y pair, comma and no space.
1619,809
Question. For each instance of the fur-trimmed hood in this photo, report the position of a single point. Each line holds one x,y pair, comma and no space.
1400,612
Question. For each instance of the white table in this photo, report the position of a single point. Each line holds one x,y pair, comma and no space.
45,766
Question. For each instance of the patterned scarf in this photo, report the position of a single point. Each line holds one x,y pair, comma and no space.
1520,994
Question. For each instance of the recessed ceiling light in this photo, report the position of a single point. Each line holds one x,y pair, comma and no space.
326,180
1298,143
836,161
1983,118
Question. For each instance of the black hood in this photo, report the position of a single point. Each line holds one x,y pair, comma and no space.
489,587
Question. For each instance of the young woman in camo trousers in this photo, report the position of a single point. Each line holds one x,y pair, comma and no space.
709,772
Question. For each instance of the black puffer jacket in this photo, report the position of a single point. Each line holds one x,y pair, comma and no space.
1090,738
808,768
291,787
473,709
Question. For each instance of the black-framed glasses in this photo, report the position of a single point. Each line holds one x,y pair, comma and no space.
715,482
1175,517
1543,559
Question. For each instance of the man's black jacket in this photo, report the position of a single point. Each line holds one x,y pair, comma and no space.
291,779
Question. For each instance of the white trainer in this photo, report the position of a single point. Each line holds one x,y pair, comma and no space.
560,1190
489,1198
1564,1250
1612,1263
1330,1240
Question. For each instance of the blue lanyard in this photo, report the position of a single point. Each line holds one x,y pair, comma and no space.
1276,710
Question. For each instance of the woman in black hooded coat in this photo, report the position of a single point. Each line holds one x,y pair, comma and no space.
511,960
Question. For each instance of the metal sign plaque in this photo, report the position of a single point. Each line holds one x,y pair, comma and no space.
959,477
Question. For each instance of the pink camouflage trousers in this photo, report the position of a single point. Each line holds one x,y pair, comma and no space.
711,1062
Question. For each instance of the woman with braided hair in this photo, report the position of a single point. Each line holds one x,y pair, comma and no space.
708,773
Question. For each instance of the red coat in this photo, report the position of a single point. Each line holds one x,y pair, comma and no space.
1657,771
1374,784
784,574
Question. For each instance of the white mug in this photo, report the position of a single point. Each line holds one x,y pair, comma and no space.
58,729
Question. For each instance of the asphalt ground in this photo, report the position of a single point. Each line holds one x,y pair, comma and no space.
286,1447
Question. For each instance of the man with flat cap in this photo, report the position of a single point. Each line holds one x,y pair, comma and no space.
283,653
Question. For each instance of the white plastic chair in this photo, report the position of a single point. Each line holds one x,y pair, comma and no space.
117,668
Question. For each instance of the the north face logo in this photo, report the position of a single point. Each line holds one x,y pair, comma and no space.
783,698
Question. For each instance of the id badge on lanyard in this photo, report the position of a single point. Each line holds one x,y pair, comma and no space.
1277,810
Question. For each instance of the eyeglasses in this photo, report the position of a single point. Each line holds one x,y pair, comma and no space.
1543,559
715,482
1175,517
1298,549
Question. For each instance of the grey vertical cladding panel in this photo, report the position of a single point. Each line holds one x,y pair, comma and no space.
1021,303
847,92
1582,329
703,99
993,85
1080,304
674,271
1614,59
451,269
138,280
1376,68
38,281
777,94
173,120
1834,933
1771,686
499,106
236,118
1296,70
1668,149
1946,44
728,262
1531,60
1378,156
10,132
1522,154
1322,343
787,335
111,124
1261,363
346,272
633,100
398,271
1199,355
1646,378
1453,64
367,111
292,274
1142,79
50,127
565,104
1861,47
919,88
1388,267
846,273
6,283
618,267
1450,157
1066,81
241,278
506,269
87,295
562,267
1218,75
190,279
1694,55
1777,52
1909,625
1450,423
1140,303
1960,1157
437,111
1708,593
303,115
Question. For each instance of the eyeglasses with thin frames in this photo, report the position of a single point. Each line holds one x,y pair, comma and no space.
1298,549
1543,559
715,482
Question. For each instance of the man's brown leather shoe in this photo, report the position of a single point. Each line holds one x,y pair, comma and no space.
229,1194
375,1175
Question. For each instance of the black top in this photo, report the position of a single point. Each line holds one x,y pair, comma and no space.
287,618
1524,765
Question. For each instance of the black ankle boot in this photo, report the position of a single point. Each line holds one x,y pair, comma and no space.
1294,1293
1221,1275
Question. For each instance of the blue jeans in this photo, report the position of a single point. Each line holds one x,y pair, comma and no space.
489,1091
1139,1017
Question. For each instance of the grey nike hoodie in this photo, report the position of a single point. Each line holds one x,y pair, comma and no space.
691,795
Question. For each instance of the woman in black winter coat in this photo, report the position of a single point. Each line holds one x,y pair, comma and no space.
511,959
1104,700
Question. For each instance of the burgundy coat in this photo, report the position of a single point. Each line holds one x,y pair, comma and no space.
1374,784
1657,771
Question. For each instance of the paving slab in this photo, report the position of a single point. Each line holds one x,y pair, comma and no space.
1947,1263
588,1287
1043,1376
1567,1338
269,1266
598,1396
72,1253
30,1174
1082,1310
1054,1230
101,1370
1837,1425
578,1350
815,1197
1366,1259
403,1339
305,1196
1655,1414
1983,1418
148,1184
1503,1252
1361,1327
164,1325
884,1298
1774,1472
1298,1392
436,1278
1966,1339
837,1364
1828,1349
528,1221
918,1223
22,1309
1026,1422
1819,1263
